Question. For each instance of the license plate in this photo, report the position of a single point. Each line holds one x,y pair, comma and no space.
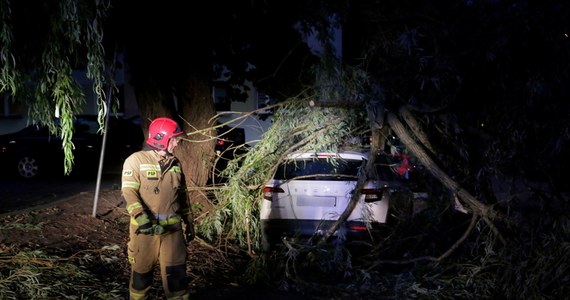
316,201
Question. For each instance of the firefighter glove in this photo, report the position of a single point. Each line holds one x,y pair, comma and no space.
145,226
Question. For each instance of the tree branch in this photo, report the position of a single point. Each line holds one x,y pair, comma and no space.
487,213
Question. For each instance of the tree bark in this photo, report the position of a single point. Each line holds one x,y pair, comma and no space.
196,153
193,107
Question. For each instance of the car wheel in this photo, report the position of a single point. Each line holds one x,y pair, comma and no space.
28,167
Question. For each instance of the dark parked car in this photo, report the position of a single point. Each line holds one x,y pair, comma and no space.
229,145
229,138
33,151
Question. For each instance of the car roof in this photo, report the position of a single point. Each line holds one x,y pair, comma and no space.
341,154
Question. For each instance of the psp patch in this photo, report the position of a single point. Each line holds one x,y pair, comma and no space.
127,172
151,174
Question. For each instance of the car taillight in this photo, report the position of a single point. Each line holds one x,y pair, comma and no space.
358,228
373,195
269,191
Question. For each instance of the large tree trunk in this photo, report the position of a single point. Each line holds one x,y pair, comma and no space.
197,153
153,102
193,107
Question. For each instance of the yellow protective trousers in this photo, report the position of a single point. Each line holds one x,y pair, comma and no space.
167,250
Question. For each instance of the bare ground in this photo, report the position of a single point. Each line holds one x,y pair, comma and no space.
68,228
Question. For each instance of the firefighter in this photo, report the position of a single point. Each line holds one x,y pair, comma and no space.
154,189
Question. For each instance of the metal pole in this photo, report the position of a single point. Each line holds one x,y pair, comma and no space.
102,157
104,142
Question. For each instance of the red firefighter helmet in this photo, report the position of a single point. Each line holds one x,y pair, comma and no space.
161,130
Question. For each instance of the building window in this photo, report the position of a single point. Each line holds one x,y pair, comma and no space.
263,99
221,100
9,107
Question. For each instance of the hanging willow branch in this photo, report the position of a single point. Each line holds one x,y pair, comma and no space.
9,77
73,37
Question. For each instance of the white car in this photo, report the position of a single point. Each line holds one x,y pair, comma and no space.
308,193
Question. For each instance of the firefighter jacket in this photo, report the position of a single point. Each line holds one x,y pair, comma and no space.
154,185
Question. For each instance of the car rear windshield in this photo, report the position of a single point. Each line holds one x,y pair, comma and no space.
319,169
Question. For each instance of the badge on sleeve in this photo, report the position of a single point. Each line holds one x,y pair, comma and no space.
128,173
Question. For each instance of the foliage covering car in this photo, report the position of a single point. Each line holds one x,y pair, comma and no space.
308,193
33,151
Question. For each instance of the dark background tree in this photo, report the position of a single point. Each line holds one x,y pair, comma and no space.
486,77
